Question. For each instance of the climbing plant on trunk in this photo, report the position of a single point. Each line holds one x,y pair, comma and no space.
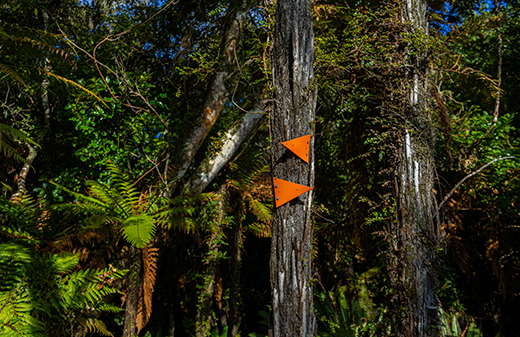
293,116
415,233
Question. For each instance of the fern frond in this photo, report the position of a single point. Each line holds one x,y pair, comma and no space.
247,175
262,211
13,256
16,234
20,216
107,307
75,85
65,262
17,250
102,193
98,219
129,197
15,315
139,230
84,235
78,196
144,310
261,230
181,211
87,288
94,325
6,187
7,136
13,75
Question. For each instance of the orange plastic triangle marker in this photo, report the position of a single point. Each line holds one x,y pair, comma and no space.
300,147
285,191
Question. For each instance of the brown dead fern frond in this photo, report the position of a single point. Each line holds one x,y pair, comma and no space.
144,308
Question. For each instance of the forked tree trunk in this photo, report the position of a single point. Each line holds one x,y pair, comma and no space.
216,99
293,116
416,231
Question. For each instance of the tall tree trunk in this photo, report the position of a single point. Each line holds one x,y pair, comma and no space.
132,293
293,116
236,258
204,320
416,231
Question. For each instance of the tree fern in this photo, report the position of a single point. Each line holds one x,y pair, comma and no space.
135,214
122,206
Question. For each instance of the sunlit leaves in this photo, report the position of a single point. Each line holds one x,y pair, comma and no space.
139,230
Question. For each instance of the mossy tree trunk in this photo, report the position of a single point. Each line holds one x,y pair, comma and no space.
415,232
293,116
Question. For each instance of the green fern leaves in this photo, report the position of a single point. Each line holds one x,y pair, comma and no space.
36,288
8,135
139,230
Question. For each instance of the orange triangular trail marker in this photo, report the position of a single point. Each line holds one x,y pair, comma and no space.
285,191
300,147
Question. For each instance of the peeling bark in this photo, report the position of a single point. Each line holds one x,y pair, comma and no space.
217,97
231,142
293,116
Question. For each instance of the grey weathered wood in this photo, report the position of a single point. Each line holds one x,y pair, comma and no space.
231,142
293,116
216,99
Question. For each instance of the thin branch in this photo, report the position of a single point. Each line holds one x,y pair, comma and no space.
113,38
448,196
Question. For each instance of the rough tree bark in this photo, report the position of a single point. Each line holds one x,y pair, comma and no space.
133,280
293,116
416,231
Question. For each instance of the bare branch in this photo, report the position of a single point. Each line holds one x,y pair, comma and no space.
448,196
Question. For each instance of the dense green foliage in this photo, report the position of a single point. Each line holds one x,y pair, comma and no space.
106,95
